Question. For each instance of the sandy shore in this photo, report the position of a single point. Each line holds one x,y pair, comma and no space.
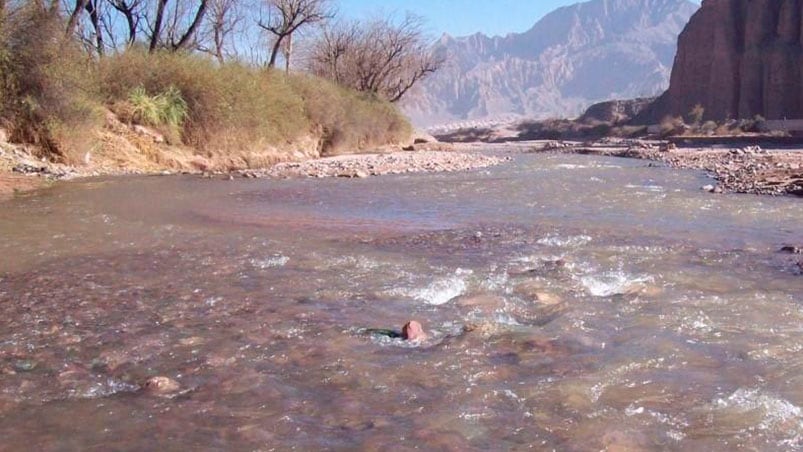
735,170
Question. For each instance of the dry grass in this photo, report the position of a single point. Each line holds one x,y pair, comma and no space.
49,95
53,95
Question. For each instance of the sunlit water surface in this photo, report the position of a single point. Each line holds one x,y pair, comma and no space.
573,302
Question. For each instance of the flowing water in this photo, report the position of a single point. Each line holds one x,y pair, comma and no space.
572,303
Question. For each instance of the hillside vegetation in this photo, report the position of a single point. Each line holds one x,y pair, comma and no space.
167,108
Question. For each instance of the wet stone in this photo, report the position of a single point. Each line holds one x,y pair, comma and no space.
162,386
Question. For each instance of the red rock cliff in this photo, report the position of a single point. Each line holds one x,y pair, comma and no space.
738,59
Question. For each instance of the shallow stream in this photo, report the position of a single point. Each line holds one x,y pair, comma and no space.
572,303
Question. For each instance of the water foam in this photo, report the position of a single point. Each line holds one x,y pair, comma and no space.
777,413
612,283
441,291
103,388
565,242
277,260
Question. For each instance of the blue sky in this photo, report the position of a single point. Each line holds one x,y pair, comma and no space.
460,17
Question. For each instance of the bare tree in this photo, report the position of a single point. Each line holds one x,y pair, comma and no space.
175,26
77,10
156,29
224,18
285,17
381,57
132,12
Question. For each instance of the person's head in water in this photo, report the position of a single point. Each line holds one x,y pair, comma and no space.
413,331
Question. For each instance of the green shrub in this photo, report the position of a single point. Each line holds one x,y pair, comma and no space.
166,110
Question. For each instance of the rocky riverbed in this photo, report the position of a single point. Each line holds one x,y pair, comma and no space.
749,169
366,165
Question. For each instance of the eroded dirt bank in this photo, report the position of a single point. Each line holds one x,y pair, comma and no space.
123,149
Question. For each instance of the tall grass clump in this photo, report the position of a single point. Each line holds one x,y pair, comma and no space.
229,107
48,84
166,110
237,107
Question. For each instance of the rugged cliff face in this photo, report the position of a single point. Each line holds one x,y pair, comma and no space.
573,57
738,59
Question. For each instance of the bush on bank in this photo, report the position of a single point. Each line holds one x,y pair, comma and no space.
53,94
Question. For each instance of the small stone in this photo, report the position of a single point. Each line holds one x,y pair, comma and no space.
546,298
709,188
162,385
413,331
791,250
361,174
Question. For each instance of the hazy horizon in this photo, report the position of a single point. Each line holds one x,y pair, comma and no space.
461,17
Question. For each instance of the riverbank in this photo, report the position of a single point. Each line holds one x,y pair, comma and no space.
735,170
136,150
750,169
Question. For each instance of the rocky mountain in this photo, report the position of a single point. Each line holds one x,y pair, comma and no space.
738,59
572,58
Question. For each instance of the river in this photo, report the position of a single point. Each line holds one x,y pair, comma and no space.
572,303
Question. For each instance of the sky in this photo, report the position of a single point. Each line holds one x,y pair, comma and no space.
460,17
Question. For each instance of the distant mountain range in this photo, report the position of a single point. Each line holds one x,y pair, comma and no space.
572,58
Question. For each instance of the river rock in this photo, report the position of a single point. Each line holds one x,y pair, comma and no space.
162,386
413,331
535,292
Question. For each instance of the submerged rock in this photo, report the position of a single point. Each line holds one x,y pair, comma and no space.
485,303
536,293
25,365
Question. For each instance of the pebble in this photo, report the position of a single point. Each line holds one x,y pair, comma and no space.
162,386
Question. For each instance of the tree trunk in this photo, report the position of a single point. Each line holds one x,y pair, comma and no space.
157,26
199,15
275,51
92,9
80,5
288,52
